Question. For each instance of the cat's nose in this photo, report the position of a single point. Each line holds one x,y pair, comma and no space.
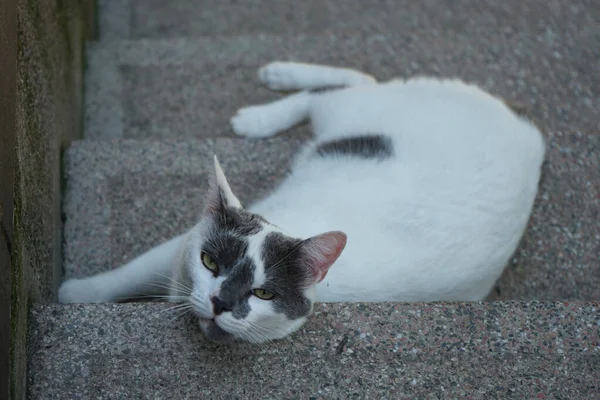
219,306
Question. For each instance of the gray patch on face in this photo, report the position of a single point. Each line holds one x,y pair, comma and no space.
226,243
225,248
366,146
242,222
235,290
229,252
237,220
285,275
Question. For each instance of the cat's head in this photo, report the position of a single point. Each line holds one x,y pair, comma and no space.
249,280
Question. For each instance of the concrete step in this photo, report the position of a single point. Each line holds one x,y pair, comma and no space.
125,196
490,350
142,19
190,87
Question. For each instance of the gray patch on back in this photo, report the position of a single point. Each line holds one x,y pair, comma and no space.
285,275
364,146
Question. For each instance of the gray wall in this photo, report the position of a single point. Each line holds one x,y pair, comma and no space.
43,98
8,74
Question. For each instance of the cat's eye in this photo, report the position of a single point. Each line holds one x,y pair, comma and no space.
263,294
209,263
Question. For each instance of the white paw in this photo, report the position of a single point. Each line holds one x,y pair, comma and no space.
254,122
279,76
79,291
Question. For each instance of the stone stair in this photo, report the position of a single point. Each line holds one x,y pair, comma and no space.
493,350
161,84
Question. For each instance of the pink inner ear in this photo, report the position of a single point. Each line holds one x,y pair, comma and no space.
322,251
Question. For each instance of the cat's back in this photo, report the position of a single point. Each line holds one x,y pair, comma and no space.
437,143
426,115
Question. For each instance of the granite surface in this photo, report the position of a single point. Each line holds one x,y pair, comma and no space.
192,86
184,18
186,100
377,351
559,256
125,196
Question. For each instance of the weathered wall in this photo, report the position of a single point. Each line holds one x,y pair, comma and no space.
8,73
48,116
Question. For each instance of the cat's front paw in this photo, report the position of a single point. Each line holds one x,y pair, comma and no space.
80,291
254,122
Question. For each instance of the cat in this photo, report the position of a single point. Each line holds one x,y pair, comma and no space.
417,190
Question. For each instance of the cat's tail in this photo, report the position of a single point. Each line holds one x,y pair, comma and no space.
288,76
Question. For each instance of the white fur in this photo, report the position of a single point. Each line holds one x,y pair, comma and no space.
268,119
437,221
442,218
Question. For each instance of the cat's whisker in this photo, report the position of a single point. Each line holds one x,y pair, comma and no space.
261,339
260,327
172,281
264,333
171,297
150,297
177,307
251,337
159,285
246,334
258,332
177,284
187,308
167,290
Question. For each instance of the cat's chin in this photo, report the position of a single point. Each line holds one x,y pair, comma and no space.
213,332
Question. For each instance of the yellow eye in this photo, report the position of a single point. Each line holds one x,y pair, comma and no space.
263,294
209,263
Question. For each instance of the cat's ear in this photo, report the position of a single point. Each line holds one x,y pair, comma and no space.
320,252
219,193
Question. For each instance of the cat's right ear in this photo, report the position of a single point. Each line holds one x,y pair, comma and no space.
219,193
320,252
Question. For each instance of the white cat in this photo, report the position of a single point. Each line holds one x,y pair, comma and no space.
432,182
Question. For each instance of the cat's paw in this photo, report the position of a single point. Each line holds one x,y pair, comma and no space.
254,122
79,291
280,75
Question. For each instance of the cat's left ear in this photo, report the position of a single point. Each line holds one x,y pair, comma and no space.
219,193
320,252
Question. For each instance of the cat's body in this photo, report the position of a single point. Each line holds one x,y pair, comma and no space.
432,181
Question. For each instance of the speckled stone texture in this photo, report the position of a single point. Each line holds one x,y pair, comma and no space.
179,18
559,257
125,196
543,57
376,351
